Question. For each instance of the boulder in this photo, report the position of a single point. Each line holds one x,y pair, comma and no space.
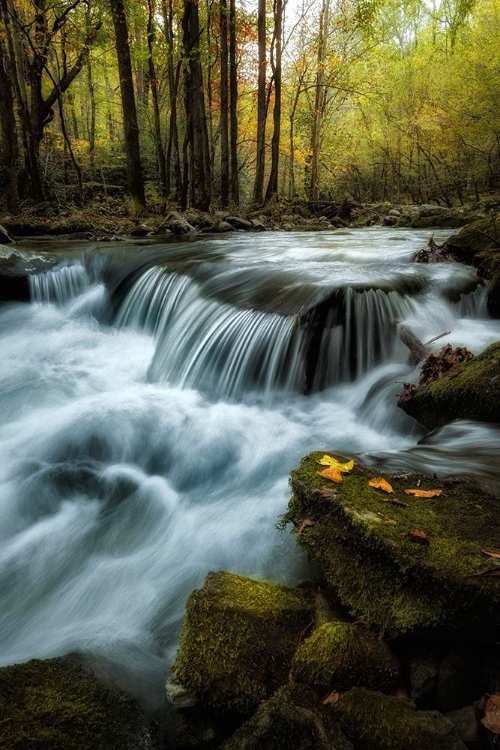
293,719
56,704
222,227
466,723
5,237
15,268
238,223
402,563
238,639
176,223
373,721
341,655
429,209
470,390
258,226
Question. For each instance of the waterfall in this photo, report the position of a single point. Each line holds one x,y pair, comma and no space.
60,284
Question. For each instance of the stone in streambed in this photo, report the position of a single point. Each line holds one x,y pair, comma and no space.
16,266
238,639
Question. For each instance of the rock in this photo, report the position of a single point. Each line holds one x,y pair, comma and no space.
428,209
422,670
222,227
479,243
374,555
468,391
56,704
293,719
16,266
466,723
390,221
290,218
373,721
238,640
178,697
5,238
176,224
238,223
394,212
459,682
258,226
341,655
287,226
199,219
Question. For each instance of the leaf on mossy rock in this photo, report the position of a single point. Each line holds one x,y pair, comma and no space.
333,474
330,699
491,573
490,705
379,483
306,523
424,493
325,492
492,553
419,536
330,461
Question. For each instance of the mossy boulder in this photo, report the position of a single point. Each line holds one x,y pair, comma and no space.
469,391
55,704
341,655
373,721
402,563
238,639
292,719
479,243
15,268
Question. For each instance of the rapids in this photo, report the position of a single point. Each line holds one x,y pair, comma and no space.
153,399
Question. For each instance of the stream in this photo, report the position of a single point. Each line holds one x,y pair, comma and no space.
154,398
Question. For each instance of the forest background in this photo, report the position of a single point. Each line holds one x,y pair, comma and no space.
223,103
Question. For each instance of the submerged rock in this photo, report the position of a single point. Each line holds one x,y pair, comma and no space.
56,704
470,390
402,563
293,719
374,721
341,655
238,640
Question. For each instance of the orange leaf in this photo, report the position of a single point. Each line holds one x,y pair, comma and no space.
491,719
380,484
424,493
331,473
304,525
492,553
330,699
419,536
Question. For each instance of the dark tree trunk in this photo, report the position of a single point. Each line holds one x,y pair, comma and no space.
199,177
272,186
130,125
9,144
224,107
233,105
160,152
173,159
261,107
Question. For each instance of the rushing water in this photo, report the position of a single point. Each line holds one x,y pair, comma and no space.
153,400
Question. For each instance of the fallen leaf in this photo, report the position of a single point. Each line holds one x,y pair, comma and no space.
491,573
401,692
379,483
424,493
395,501
306,523
330,699
330,461
419,536
331,473
492,553
491,718
326,492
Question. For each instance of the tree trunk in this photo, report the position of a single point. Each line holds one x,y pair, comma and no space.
319,100
261,107
272,186
224,107
160,152
130,125
173,154
233,105
9,144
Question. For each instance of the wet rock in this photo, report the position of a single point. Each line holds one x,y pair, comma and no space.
238,223
287,226
15,268
178,697
222,227
467,391
342,655
293,719
56,704
421,668
402,562
389,221
199,219
466,723
459,682
238,640
373,721
175,223
5,238
258,226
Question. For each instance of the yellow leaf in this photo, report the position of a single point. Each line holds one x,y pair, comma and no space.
424,493
380,484
331,473
329,461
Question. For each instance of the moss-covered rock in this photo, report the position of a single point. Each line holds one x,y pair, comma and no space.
293,719
374,721
55,704
238,639
341,655
469,391
393,578
479,243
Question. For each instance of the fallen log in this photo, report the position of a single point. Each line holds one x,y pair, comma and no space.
418,350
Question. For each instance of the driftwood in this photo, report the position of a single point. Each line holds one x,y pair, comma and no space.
419,350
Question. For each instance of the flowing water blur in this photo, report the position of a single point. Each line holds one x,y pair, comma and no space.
149,421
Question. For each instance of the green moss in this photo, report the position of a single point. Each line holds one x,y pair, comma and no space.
238,639
292,718
475,237
56,705
364,547
373,720
342,655
470,392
